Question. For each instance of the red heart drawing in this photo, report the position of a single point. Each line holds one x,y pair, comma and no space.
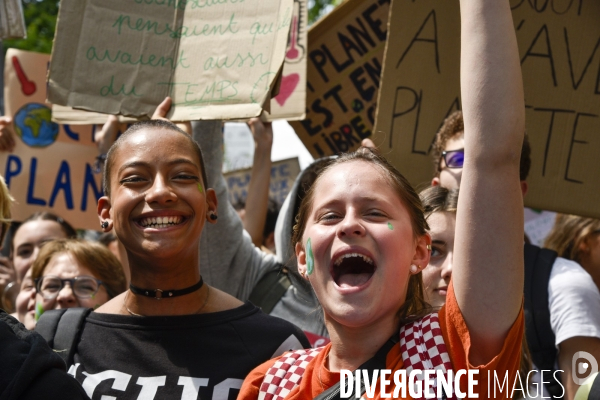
288,85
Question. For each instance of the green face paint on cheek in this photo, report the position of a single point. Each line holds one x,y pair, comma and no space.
200,189
310,259
39,310
390,226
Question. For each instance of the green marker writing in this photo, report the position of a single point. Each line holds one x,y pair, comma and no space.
310,259
390,226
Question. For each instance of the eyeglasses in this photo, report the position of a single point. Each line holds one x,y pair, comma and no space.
454,158
83,287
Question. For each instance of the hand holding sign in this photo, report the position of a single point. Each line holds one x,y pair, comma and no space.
7,137
163,109
105,136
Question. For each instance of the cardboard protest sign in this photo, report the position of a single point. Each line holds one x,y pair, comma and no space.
345,54
283,175
12,21
216,59
52,166
290,102
68,115
559,46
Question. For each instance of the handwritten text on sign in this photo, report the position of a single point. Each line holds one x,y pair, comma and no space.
345,56
283,175
216,58
559,46
52,166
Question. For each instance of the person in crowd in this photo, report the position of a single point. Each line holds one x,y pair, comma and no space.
7,272
448,154
267,241
7,136
25,302
578,239
228,257
6,201
232,263
573,299
75,273
30,369
361,242
439,205
171,335
32,234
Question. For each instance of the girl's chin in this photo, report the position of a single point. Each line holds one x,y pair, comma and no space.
354,316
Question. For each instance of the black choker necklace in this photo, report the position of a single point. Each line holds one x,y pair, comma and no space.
165,294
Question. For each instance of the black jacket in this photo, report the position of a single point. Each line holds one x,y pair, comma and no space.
29,369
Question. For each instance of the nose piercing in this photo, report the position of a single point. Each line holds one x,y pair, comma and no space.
104,224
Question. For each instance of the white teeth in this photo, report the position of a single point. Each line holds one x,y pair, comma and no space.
348,255
160,222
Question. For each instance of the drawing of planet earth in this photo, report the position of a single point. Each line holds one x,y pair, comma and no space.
34,126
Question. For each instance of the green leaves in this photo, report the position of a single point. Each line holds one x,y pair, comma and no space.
40,18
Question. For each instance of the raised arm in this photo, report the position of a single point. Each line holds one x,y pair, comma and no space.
228,259
257,200
488,270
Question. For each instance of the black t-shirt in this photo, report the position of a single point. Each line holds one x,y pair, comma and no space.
204,356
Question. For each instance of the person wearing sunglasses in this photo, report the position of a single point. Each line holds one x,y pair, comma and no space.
74,273
573,298
449,154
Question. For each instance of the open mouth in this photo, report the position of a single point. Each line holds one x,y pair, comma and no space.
160,222
352,270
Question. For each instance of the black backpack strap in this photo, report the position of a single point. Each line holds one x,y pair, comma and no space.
270,289
62,329
538,330
48,323
376,362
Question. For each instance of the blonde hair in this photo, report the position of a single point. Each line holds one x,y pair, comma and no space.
103,264
6,201
568,233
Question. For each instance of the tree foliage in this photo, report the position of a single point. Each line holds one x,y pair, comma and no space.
40,18
319,8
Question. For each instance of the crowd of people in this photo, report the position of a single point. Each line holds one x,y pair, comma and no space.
184,296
